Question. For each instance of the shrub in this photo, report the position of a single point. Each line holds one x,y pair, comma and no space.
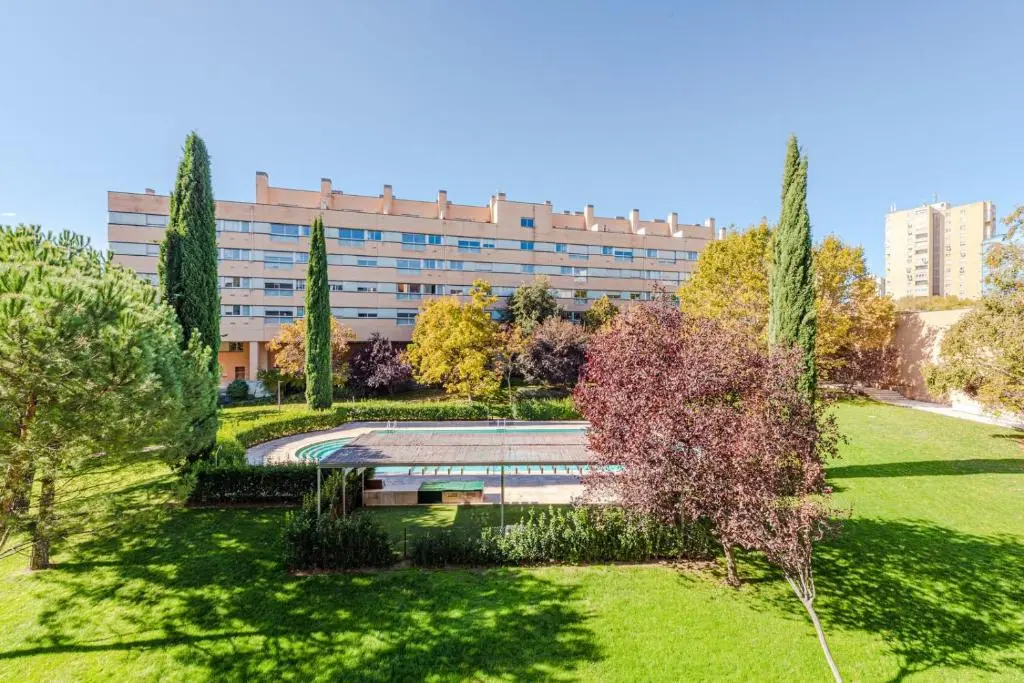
566,536
238,390
325,542
548,409
212,484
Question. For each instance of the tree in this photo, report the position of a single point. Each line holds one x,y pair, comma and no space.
289,349
319,394
982,355
379,366
531,304
792,317
555,353
454,344
600,314
94,377
731,282
699,424
188,254
510,341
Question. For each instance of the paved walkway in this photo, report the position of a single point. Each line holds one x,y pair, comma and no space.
894,398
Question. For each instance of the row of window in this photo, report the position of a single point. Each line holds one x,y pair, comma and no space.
357,238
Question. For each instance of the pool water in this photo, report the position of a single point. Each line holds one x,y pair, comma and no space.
318,451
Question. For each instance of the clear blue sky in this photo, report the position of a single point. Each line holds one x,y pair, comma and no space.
659,106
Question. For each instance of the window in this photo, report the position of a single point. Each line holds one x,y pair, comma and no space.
432,264
580,294
366,287
123,218
235,310
578,257
526,268
525,222
235,347
497,315
278,257
233,254
278,287
455,265
280,314
406,318
469,246
336,286
235,282
623,254
239,372
374,235
652,253
155,221
526,246
565,270
370,262
286,230
413,241
351,237
411,265
456,290
561,248
606,251
366,314
413,290
232,226
434,239
301,257
635,296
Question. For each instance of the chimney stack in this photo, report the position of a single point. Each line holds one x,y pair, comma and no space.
388,196
588,217
262,188
442,204
673,223
634,221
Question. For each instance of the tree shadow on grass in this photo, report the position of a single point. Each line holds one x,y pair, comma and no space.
938,597
930,468
208,586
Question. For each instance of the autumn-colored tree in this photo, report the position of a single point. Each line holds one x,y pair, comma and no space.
510,341
289,349
600,314
379,366
982,355
948,302
731,282
454,344
703,425
555,352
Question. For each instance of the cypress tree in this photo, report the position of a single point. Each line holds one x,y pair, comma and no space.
318,322
188,255
793,318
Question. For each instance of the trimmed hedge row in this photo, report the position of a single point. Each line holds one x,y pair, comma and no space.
232,443
209,484
325,542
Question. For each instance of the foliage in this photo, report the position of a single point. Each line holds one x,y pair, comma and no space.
852,319
932,303
289,349
188,254
453,344
731,282
238,390
792,317
555,353
327,542
379,366
510,341
93,371
531,304
210,484
982,354
319,332
600,314
705,426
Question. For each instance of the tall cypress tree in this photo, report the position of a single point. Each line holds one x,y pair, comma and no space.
188,255
318,322
793,319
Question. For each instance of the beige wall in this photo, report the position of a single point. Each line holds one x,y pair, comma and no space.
916,339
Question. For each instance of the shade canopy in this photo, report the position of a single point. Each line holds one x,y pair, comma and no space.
427,448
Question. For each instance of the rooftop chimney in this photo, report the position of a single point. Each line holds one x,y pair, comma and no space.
150,190
442,204
386,203
634,221
588,217
262,188
673,223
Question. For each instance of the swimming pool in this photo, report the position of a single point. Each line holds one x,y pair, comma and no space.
318,451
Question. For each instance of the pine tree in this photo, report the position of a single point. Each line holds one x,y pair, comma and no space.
318,322
793,319
188,255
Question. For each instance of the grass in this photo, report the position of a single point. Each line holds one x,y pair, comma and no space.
923,585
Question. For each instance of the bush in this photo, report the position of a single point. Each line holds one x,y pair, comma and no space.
325,542
547,409
566,536
238,390
211,484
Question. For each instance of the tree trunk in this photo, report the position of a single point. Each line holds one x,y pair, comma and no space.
44,525
16,488
809,606
731,577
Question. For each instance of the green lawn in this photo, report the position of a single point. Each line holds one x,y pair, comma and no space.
925,584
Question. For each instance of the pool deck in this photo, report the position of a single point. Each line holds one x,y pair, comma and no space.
283,451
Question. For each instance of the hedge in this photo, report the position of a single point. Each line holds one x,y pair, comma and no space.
232,442
326,542
212,484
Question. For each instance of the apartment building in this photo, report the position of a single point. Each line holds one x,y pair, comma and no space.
386,255
937,249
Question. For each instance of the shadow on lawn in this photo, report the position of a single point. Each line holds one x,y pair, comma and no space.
937,597
930,468
209,584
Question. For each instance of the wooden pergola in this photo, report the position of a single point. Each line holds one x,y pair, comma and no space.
468,447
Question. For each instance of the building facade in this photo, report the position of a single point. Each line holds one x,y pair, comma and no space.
937,249
386,255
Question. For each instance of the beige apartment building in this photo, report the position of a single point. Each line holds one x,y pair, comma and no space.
937,249
386,255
